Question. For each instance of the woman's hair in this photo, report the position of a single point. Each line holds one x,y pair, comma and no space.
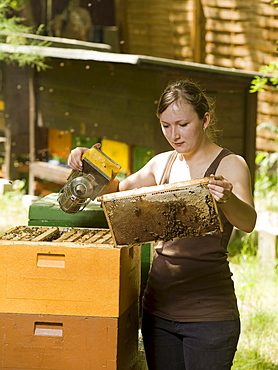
189,92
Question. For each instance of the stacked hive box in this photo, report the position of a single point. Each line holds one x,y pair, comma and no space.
46,212
69,300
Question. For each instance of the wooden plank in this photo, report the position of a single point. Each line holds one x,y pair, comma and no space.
268,47
23,233
232,50
267,108
269,95
163,212
97,237
89,233
227,14
267,22
267,134
268,34
224,26
48,235
226,38
266,145
263,2
50,172
106,238
226,3
231,61
267,118
66,235
267,10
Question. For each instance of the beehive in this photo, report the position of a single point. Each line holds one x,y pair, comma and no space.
69,342
67,271
163,212
68,299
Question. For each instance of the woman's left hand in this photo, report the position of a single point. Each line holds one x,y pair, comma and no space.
220,188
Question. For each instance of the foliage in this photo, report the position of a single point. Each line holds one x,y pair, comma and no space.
12,207
259,82
12,30
270,72
243,244
266,177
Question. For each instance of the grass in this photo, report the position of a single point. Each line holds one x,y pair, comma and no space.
256,289
257,292
13,211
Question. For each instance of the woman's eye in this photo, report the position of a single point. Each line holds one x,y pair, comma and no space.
183,124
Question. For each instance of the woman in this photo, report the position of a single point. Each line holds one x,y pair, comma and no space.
190,317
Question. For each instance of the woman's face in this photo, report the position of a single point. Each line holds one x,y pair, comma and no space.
182,127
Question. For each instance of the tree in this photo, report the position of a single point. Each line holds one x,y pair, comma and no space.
13,32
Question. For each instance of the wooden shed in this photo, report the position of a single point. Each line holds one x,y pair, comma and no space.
109,96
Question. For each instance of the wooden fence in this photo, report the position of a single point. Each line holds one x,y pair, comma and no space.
227,33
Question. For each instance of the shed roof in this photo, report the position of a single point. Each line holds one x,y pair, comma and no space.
95,54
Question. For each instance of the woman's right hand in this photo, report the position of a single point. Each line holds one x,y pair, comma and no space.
74,159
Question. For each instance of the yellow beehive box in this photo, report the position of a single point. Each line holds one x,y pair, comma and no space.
69,342
57,271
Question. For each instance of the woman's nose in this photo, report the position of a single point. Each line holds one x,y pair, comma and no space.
175,132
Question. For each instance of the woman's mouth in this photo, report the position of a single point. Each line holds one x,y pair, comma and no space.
178,144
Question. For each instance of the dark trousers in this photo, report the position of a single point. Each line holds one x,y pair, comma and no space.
171,345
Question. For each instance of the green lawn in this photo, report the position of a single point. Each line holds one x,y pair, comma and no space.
257,291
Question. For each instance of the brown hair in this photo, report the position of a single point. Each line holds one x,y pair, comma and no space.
190,92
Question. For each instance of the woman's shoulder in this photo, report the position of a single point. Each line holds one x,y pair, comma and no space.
233,157
164,156
158,163
232,163
160,160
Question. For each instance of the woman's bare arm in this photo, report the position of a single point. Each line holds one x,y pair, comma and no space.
231,187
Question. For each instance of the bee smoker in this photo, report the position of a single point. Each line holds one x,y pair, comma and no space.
98,171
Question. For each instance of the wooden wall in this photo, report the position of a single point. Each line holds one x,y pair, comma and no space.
243,35
159,28
16,97
227,33
101,100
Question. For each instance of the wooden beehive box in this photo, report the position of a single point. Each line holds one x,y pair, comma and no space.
68,299
163,212
60,342
66,271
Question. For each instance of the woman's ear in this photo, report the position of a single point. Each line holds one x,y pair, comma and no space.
206,120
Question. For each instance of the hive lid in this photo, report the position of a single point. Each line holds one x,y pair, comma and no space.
163,212
47,212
